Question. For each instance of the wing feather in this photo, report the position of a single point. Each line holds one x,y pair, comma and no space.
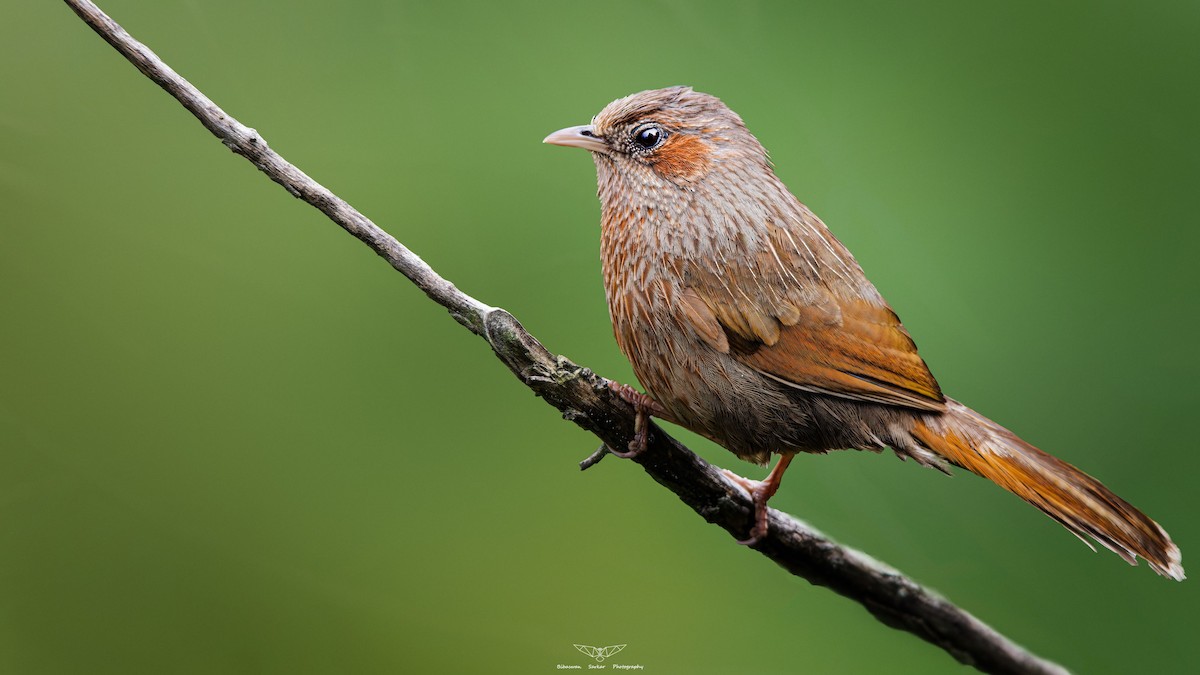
821,332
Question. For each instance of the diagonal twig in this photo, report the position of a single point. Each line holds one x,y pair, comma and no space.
585,399
594,458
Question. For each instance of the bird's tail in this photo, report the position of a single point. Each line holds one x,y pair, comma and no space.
1084,506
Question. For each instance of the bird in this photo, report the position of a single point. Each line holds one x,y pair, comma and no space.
747,322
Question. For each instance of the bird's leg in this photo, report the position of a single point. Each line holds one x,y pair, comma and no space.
645,407
760,492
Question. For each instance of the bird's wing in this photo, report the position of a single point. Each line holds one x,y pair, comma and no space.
805,315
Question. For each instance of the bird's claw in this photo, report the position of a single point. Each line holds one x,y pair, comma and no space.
638,445
644,406
759,492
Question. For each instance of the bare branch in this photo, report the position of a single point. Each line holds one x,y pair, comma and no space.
586,399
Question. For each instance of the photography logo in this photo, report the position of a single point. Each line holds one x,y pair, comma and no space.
599,653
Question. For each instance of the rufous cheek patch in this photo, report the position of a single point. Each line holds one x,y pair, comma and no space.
682,158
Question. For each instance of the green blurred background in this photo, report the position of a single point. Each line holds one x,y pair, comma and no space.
233,440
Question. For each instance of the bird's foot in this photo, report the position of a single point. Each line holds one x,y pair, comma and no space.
639,400
645,407
760,492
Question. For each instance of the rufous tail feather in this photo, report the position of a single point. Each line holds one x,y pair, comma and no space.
1081,503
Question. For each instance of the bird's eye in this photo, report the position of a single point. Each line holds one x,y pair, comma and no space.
648,136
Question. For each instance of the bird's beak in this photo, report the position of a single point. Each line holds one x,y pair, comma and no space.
578,137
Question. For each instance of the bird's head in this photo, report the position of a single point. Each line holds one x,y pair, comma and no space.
665,137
